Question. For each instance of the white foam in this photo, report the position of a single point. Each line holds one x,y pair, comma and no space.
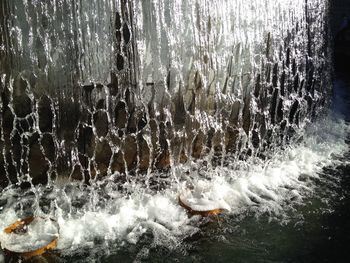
39,233
264,185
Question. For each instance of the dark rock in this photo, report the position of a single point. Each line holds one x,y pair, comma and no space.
192,107
129,99
296,83
163,136
118,21
120,62
20,87
99,87
132,122
11,169
293,111
121,115
255,138
257,86
103,154
114,85
46,115
101,123
217,142
84,160
101,104
179,109
280,110
16,149
126,34
282,83
142,121
288,57
38,166
268,72
68,115
235,112
198,143
130,152
86,140
22,105
48,144
77,173
183,156
87,94
275,75
246,116
118,164
294,67
118,36
144,154
3,178
162,161
310,102
283,125
86,117
154,133
274,105
231,139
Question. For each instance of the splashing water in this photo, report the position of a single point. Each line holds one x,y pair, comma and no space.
109,212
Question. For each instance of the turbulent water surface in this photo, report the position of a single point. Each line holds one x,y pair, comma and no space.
271,203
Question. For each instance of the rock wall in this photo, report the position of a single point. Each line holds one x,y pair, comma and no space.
178,82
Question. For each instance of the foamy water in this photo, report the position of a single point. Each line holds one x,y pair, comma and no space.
101,213
39,233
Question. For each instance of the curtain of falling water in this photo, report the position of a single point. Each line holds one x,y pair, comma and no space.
90,88
61,42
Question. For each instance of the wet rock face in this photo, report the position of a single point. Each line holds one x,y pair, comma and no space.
103,154
45,111
22,106
90,130
68,115
101,123
136,139
38,165
121,115
48,144
86,140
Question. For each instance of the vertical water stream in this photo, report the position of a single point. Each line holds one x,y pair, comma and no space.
90,89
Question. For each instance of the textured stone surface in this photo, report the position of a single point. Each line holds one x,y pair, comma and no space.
136,119
38,166
130,152
45,112
22,105
86,140
101,123
48,143
103,154
121,115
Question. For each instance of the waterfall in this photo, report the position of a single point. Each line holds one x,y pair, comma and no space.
93,88
111,109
